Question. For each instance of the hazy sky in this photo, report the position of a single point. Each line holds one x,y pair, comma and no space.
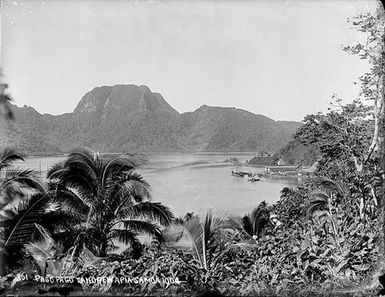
282,59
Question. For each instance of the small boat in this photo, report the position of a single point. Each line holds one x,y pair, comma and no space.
254,179
238,173
241,173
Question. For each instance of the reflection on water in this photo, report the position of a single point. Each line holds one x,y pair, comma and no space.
197,182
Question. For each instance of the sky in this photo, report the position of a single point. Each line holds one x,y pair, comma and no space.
282,59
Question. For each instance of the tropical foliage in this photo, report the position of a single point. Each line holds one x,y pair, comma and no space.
253,224
22,204
110,197
330,236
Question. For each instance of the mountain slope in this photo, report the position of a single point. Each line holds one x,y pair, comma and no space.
230,129
132,118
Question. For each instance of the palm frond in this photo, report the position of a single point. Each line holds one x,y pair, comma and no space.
320,195
140,226
70,201
124,236
81,163
320,202
194,230
234,223
206,234
334,186
20,228
85,155
61,219
153,211
125,190
258,218
8,156
120,164
134,185
106,193
72,176
173,233
16,181
213,223
73,186
128,237
247,225
81,168
55,170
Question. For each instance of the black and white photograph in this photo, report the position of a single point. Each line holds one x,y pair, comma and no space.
192,148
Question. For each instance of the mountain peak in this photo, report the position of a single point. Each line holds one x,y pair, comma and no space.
123,118
129,98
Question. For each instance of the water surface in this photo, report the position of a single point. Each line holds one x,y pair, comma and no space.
197,182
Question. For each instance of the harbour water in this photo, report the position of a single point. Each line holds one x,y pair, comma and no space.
197,182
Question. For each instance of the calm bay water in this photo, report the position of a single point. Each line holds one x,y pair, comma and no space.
197,182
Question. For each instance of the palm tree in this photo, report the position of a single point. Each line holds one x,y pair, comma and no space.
253,224
325,198
206,239
49,255
325,202
18,222
25,202
14,182
112,198
21,204
320,202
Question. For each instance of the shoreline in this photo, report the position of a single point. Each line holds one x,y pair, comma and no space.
146,153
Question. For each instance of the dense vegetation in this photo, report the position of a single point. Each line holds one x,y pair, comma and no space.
325,236
130,118
262,160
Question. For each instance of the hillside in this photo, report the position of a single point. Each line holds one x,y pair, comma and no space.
132,118
295,153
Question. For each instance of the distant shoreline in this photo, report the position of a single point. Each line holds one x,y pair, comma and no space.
148,153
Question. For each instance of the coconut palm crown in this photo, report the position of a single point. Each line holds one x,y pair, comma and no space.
253,224
21,204
20,192
15,182
112,198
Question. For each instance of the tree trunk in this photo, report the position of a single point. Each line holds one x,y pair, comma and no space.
381,133
103,250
